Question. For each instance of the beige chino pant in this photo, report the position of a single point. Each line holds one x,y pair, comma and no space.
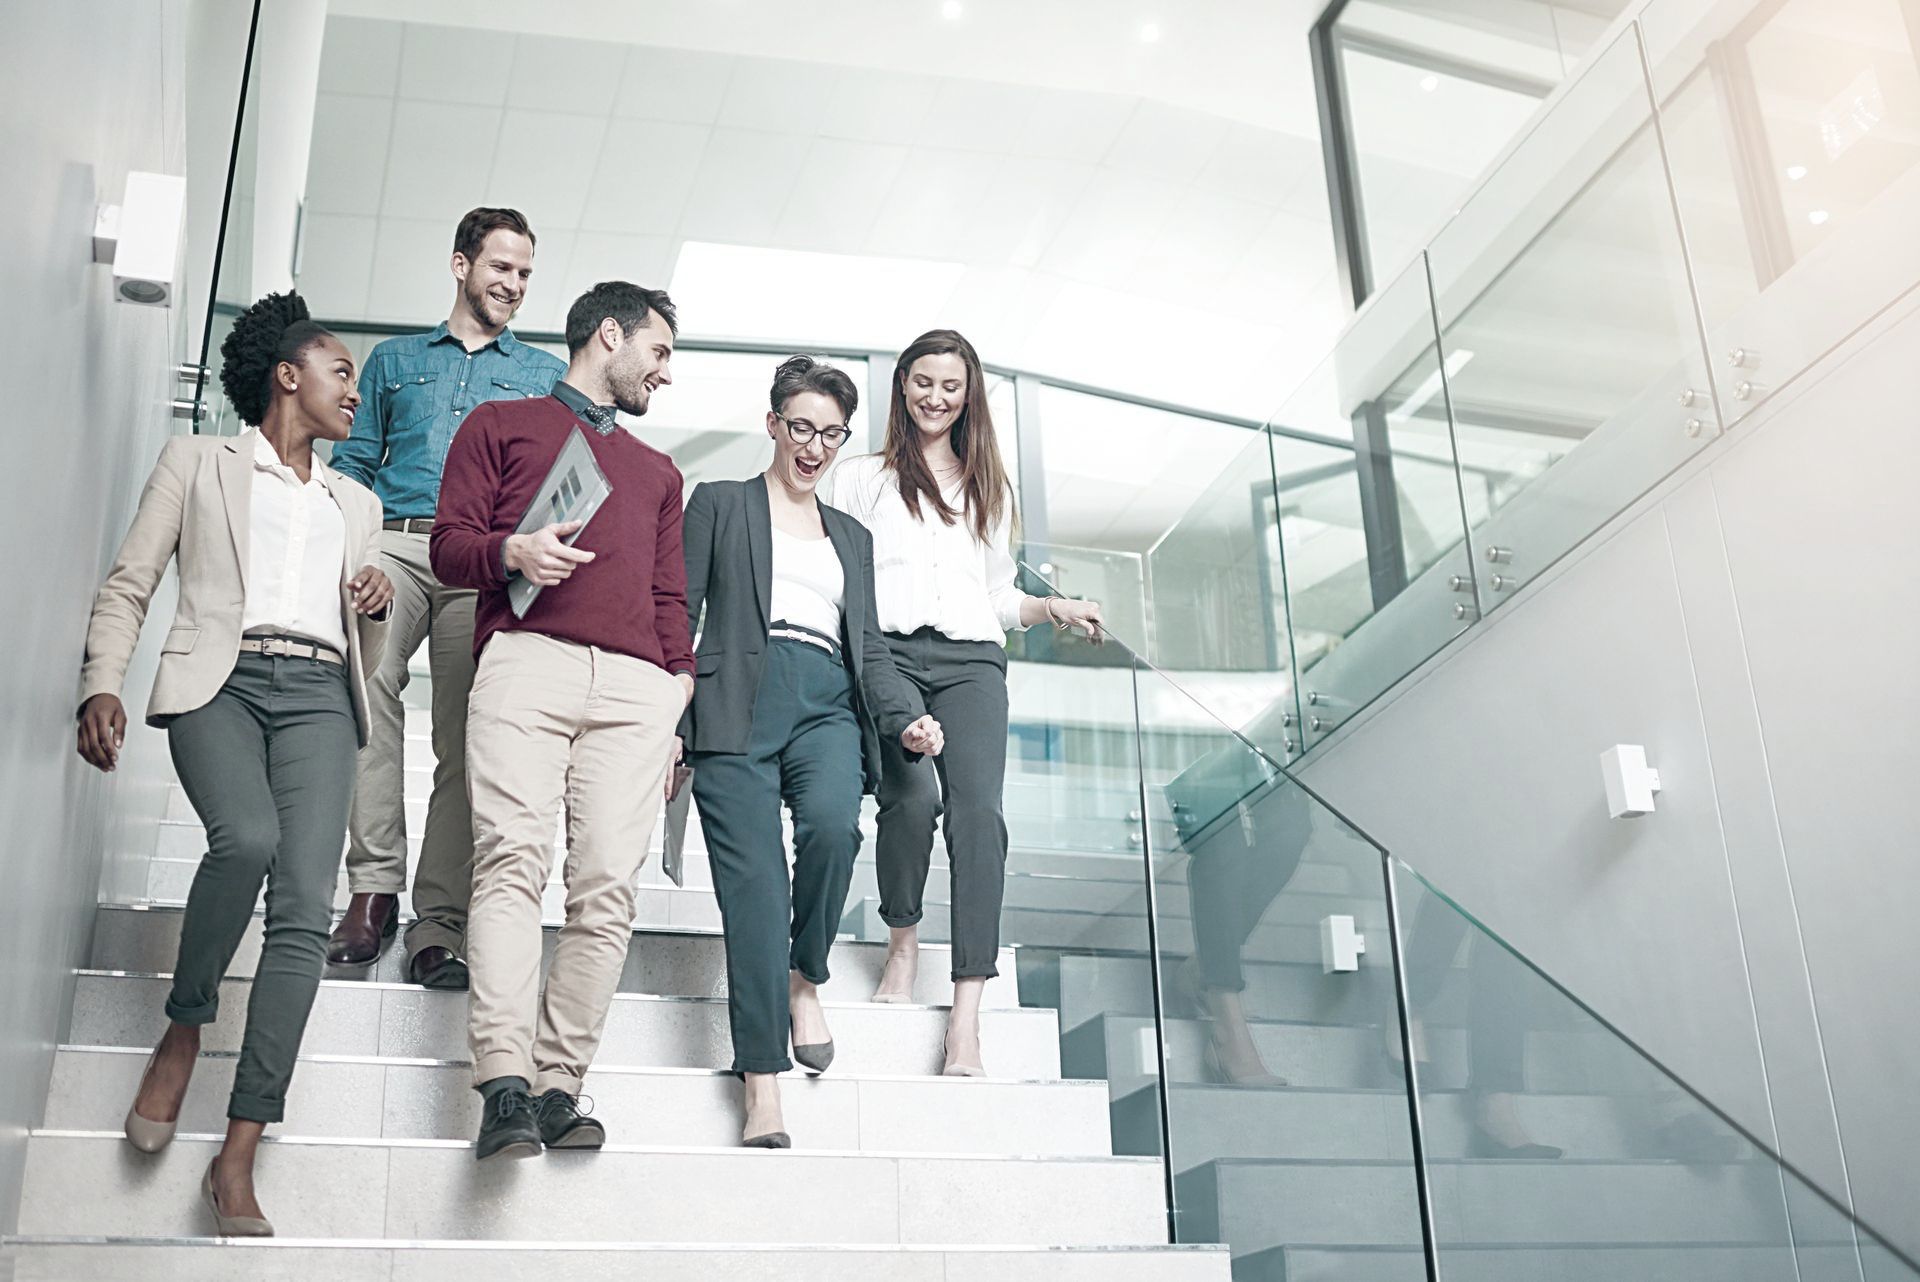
551,722
424,609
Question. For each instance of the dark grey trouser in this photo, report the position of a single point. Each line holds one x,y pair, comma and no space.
964,685
268,765
805,750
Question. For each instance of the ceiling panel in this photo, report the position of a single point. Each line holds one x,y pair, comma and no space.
934,204
642,178
673,84
582,76
1171,144
439,160
832,201
741,186
1063,125
544,164
771,95
336,263
877,106
412,272
455,64
359,56
346,163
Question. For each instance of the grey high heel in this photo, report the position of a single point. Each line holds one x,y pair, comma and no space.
813,1056
144,1133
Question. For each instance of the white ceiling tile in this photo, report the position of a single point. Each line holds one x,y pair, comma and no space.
1025,208
412,272
641,180
775,94
1203,240
1074,126
934,204
877,106
1262,164
348,159
598,256
989,301
555,74
986,116
1289,255
544,165
336,264
740,189
1110,226
673,84
439,160
360,55
455,64
1168,143
833,199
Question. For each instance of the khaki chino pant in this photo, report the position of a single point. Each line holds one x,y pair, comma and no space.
551,722
423,609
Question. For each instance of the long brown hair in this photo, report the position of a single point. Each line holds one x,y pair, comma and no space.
983,476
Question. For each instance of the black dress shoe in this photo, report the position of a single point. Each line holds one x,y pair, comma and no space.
563,1125
507,1126
437,967
365,930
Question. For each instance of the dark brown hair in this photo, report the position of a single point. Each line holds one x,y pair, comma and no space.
470,237
983,476
799,374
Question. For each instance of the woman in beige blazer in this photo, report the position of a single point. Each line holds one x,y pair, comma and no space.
262,691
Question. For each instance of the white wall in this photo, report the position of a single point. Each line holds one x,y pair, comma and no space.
1752,624
92,90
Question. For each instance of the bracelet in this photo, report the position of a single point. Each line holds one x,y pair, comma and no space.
1054,618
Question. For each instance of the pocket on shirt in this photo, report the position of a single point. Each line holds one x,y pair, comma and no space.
411,399
506,389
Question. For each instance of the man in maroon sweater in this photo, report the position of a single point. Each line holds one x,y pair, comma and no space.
575,703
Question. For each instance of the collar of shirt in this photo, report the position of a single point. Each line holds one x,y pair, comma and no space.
583,409
267,459
504,340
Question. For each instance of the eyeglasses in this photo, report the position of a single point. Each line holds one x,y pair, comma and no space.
802,431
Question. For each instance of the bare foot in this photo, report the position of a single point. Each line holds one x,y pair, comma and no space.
803,1007
164,1085
763,1109
963,1030
902,968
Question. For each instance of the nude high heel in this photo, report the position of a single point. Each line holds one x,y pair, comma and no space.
231,1225
144,1133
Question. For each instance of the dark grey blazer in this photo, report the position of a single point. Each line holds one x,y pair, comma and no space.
729,546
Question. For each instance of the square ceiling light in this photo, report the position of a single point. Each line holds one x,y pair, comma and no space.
809,299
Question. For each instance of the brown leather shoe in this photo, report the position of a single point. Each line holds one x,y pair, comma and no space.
365,930
437,967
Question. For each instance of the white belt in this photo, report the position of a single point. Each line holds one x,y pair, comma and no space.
288,648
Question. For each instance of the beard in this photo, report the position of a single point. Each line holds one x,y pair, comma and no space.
629,390
487,310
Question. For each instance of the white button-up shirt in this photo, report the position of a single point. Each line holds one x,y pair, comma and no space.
927,573
296,554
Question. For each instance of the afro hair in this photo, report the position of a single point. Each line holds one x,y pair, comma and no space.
277,328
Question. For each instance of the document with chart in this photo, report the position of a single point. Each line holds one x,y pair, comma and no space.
573,491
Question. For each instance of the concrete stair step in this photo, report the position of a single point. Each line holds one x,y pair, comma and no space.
404,1099
1572,1262
296,1260
1211,1122
1090,931
677,964
352,1017
1260,1205
1119,1048
96,1183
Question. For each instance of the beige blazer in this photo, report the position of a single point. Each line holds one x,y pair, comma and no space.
198,506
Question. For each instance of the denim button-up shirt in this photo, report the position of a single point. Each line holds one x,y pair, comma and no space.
415,392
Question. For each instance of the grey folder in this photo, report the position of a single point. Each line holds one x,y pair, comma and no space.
673,846
573,491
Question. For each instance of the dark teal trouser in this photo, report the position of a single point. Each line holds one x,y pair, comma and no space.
805,751
268,765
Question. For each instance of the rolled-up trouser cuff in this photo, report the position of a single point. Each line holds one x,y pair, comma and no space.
501,1064
901,923
374,884
255,1108
196,1016
554,1079
426,933
988,971
793,964
781,1065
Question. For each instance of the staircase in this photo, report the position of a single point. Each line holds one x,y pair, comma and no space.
899,1174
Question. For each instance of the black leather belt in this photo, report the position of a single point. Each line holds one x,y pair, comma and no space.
412,525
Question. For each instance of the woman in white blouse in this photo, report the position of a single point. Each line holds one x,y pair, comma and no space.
940,506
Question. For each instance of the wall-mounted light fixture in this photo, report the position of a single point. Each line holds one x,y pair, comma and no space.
140,236
1631,782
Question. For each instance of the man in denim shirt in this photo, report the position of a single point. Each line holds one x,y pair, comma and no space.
414,394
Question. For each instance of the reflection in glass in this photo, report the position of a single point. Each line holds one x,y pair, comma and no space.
1555,1149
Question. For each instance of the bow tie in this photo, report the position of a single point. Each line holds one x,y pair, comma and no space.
601,416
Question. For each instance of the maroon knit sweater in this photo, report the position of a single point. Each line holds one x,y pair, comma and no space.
631,598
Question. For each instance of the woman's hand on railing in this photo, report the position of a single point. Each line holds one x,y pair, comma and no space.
1084,615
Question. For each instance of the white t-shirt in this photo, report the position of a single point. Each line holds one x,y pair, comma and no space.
927,573
296,554
809,583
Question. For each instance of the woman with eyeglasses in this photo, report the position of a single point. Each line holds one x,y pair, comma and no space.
794,691
940,508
